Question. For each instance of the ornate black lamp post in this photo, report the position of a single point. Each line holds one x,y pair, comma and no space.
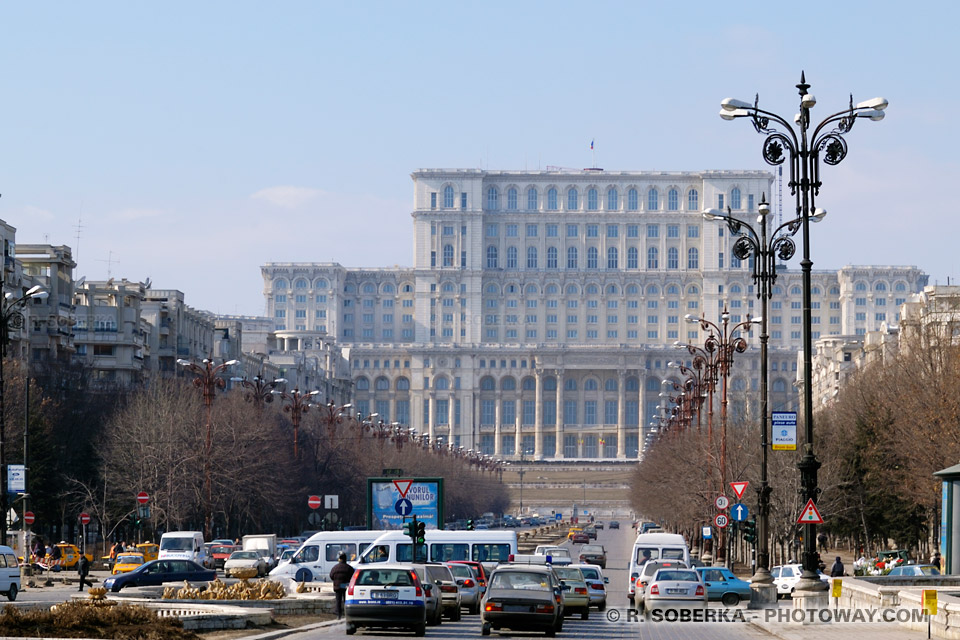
766,250
804,147
11,318
207,379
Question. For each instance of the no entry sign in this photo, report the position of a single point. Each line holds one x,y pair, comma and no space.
28,517
314,502
142,497
84,518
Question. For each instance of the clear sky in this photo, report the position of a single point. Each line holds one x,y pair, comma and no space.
194,141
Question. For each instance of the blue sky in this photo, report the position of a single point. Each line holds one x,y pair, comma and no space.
198,140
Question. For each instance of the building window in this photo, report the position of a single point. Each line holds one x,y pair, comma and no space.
612,262
532,199
491,257
632,258
693,200
448,197
720,204
552,258
493,199
511,199
493,230
652,258
592,258
573,199
531,257
673,258
693,258
511,258
531,231
448,255
571,257
653,231
612,202
633,200
573,230
552,199
613,231
673,200
463,200
653,201
735,198
592,200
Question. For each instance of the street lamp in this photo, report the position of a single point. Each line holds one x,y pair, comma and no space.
332,416
765,249
721,343
207,379
521,471
11,317
297,404
804,150
259,391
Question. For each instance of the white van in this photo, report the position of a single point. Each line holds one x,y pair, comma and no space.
9,573
655,546
488,547
316,557
183,545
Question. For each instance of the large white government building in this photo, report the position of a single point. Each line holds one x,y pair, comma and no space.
543,307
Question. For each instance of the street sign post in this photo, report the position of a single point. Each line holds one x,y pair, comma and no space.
739,488
28,517
314,502
707,533
721,520
810,514
739,512
142,497
722,502
331,502
84,519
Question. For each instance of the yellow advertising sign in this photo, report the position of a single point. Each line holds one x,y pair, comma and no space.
930,601
836,588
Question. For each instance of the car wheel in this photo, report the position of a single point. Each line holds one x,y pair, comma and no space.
630,598
456,615
602,606
303,575
730,599
420,630
485,629
585,614
12,594
475,609
351,629
551,633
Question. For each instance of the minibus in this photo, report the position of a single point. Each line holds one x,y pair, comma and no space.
654,546
487,547
316,557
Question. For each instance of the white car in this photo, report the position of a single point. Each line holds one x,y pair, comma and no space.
675,589
245,560
386,595
596,584
787,576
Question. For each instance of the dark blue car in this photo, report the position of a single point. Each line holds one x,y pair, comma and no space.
722,585
156,572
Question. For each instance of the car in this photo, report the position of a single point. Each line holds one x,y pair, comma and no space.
559,556
580,537
522,597
478,570
226,541
9,573
433,599
646,572
614,524
915,570
220,553
594,554
69,556
674,588
127,562
241,560
572,531
574,591
598,524
286,555
591,531
723,585
439,576
787,576
596,584
469,586
157,572
385,595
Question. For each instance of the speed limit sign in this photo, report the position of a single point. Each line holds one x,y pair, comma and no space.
722,502
721,520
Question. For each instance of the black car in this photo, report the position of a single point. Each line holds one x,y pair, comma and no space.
614,524
156,572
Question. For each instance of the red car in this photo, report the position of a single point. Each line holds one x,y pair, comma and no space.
220,553
580,537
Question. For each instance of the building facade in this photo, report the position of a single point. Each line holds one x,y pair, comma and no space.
544,307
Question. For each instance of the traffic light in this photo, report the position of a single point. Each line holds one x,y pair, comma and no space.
750,530
410,529
421,532
469,525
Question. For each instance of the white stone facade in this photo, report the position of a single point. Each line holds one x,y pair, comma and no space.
544,306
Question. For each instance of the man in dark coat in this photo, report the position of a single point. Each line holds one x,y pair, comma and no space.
340,576
836,570
83,568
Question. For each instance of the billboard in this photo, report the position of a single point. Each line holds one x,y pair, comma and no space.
390,500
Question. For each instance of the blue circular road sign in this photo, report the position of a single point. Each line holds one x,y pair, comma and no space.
739,512
403,507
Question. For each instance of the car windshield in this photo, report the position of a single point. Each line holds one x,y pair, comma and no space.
562,553
566,573
929,571
677,575
590,574
243,555
221,550
137,559
461,571
519,580
591,548
385,577
176,544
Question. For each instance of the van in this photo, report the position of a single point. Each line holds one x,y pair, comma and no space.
487,547
9,573
316,557
654,546
184,545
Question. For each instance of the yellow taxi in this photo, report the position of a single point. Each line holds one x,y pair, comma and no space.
69,555
149,550
572,531
127,561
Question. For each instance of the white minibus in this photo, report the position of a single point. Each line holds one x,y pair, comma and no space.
183,545
9,573
654,546
488,547
316,557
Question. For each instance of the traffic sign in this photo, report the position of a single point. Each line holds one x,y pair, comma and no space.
707,533
28,517
739,512
784,430
810,514
721,520
722,502
142,497
84,518
403,486
403,507
314,502
331,502
739,488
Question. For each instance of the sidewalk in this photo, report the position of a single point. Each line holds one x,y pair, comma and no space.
838,631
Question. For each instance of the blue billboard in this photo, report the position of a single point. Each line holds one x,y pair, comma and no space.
391,500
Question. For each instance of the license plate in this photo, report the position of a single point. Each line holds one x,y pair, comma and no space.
385,595
517,607
677,592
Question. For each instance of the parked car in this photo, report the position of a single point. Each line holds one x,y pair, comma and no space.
594,554
156,572
127,562
722,585
240,560
9,573
915,570
522,598
69,556
385,595
675,588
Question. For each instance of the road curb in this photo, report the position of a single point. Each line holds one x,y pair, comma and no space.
281,633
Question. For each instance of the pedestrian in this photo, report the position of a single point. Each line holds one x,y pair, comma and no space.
55,557
340,576
936,561
83,568
837,569
822,539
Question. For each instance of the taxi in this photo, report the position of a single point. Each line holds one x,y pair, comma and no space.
573,531
127,561
149,550
69,556
522,597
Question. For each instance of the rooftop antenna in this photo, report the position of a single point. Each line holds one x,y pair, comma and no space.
79,228
109,262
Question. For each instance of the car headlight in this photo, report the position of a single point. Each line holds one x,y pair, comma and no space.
109,582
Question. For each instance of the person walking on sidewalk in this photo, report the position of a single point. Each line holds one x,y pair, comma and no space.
836,570
83,568
340,576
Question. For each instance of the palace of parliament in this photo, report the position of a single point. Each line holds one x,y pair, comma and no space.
543,308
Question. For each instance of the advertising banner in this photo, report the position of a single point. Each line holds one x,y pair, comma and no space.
390,500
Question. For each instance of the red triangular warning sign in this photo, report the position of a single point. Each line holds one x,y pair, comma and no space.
403,486
739,488
809,514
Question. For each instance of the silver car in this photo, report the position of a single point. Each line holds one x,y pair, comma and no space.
469,586
245,560
596,584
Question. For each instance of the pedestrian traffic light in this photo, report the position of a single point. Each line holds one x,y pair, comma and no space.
750,530
469,525
421,532
410,529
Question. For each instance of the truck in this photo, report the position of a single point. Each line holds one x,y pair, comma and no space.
265,544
